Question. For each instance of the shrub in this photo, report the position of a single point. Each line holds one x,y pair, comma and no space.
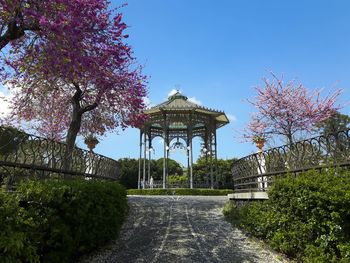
63,219
179,191
231,212
15,226
306,217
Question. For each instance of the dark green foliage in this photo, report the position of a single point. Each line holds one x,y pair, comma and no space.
225,179
201,171
128,172
174,168
10,139
337,122
179,191
15,227
177,179
307,217
58,220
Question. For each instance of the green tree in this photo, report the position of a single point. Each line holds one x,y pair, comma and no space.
174,168
201,171
128,171
340,142
337,122
225,179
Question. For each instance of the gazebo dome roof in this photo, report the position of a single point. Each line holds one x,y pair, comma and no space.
177,101
180,103
177,95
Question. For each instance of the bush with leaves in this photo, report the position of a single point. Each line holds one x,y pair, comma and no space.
306,217
56,220
15,232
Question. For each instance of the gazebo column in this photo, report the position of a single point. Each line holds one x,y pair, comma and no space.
188,158
144,161
164,160
211,157
216,157
191,164
149,157
165,150
167,160
139,176
207,151
190,138
211,167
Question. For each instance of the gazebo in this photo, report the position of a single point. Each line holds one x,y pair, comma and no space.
175,119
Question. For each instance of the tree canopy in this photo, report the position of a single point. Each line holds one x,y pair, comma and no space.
69,67
201,171
286,109
337,122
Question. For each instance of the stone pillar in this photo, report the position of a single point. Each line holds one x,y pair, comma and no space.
260,158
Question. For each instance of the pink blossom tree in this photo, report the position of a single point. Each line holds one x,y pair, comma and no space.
286,109
30,20
73,58
45,114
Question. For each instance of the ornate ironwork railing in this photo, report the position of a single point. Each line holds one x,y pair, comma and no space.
256,172
23,154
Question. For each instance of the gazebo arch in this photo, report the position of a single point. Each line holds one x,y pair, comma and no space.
180,118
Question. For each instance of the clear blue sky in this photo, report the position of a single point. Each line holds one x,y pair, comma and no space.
217,51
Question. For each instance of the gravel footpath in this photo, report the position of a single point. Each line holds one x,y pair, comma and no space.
180,229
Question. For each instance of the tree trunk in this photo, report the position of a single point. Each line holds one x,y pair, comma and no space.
3,42
74,126
73,131
13,32
290,138
289,135
72,134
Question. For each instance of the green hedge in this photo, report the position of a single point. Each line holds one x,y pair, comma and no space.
179,191
307,217
56,220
